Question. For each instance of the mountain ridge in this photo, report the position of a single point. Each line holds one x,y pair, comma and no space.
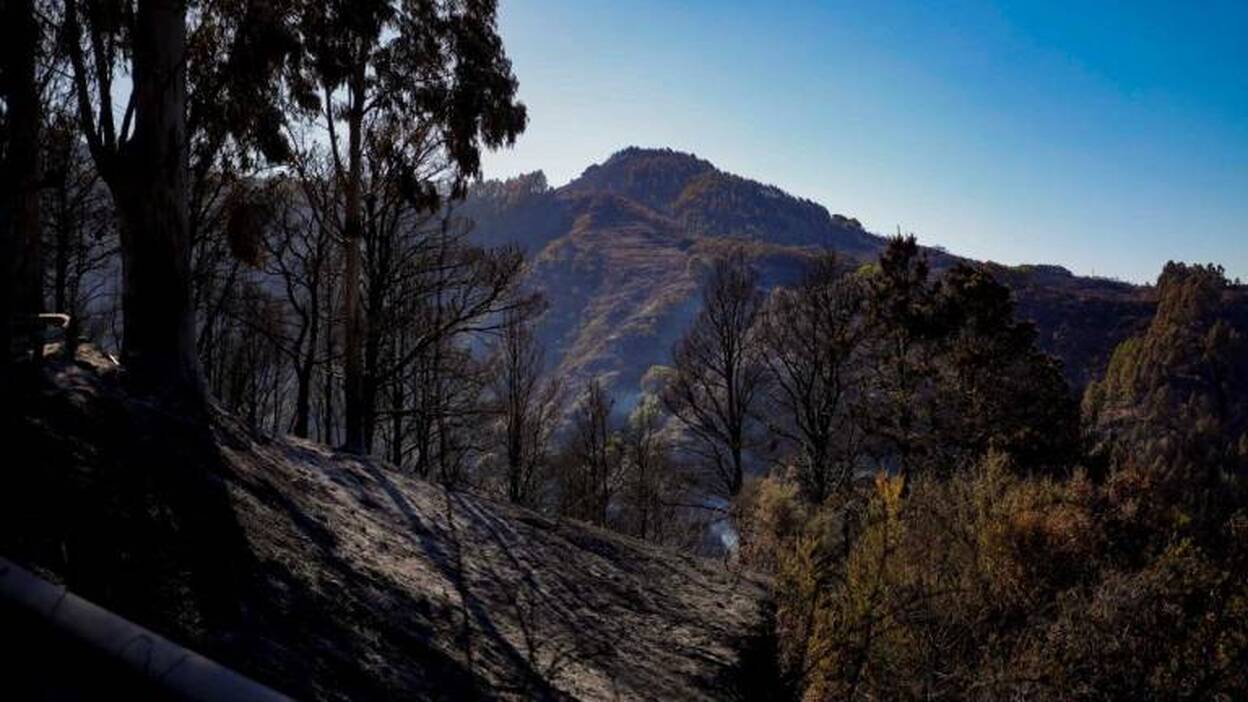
620,251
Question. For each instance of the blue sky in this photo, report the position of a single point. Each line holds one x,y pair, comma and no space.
1106,137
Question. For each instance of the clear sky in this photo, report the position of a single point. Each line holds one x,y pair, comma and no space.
1107,137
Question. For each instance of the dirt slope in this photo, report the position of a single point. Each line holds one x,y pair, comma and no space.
355,582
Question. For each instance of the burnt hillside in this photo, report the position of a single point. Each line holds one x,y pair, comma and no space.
335,577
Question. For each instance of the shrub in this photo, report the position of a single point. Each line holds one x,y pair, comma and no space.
991,585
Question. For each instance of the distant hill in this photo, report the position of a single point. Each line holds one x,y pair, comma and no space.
691,193
620,253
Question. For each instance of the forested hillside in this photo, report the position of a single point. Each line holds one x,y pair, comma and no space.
1118,575
619,253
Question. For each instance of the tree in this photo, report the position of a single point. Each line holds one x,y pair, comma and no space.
595,450
951,373
80,232
437,414
648,482
300,255
436,68
718,372
812,335
898,365
20,234
995,390
145,161
432,295
146,171
427,289
527,405
1170,410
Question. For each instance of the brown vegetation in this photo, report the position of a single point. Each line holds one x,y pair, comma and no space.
992,583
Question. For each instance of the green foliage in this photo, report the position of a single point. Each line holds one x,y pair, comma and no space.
950,373
990,585
1001,583
1170,409
1004,393
434,73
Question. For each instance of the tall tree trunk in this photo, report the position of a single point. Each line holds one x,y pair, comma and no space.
736,421
396,424
65,291
23,289
60,282
8,280
353,312
371,382
303,395
159,342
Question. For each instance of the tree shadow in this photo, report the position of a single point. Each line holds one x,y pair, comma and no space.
445,552
340,630
758,676
133,505
122,498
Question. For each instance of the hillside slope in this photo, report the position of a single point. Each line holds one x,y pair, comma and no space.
355,582
621,251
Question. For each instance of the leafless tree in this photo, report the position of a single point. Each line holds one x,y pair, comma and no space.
528,405
431,297
596,462
80,233
718,373
299,250
811,334
651,486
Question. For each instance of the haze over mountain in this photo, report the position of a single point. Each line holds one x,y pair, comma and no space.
620,253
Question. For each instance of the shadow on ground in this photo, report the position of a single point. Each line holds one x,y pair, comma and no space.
331,577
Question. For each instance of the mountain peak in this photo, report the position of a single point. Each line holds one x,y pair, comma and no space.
633,154
653,177
714,203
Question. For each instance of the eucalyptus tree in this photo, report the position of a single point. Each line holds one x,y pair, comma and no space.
436,70
198,77
20,119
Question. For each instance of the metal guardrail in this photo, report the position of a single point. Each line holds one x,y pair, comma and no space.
153,661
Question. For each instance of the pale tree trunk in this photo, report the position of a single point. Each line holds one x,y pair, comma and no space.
353,312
